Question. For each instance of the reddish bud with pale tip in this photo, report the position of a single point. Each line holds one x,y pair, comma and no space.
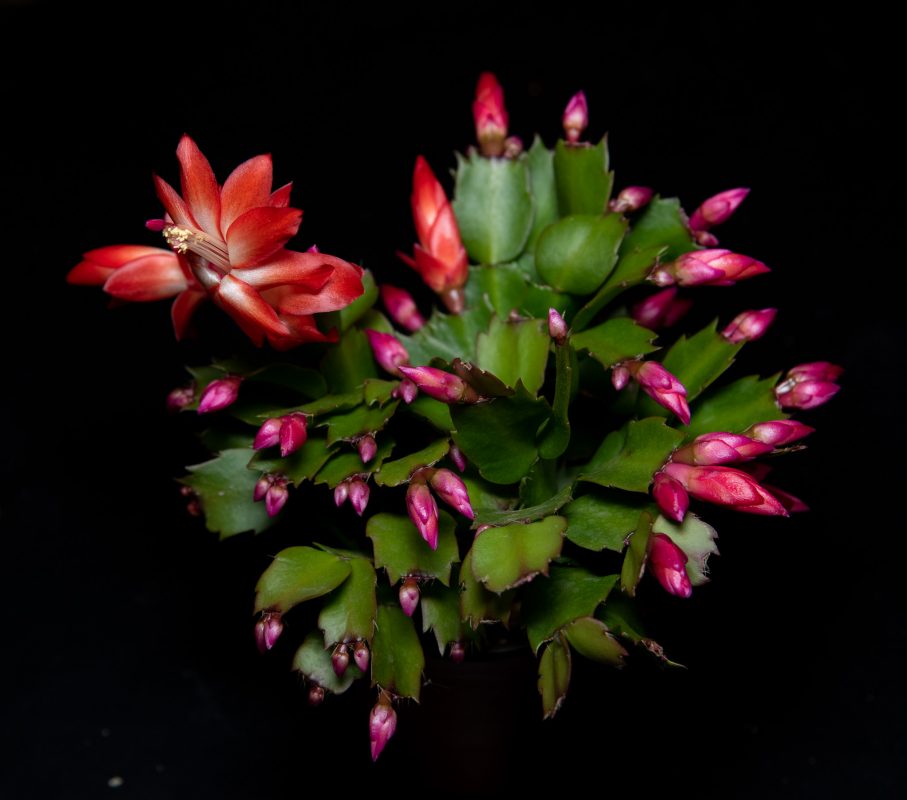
441,385
778,432
667,563
557,327
671,497
409,596
661,310
367,447
381,725
631,199
268,630
452,490
726,486
423,511
720,448
456,455
340,659
402,308
180,397
717,209
406,390
388,351
809,385
316,695
361,656
815,371
261,488
715,267
576,117
219,394
620,377
457,652
749,326
661,386
268,434
276,497
359,494
293,433
341,493
490,115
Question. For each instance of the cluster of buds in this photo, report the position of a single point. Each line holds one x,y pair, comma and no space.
809,385
421,505
656,382
355,489
273,490
288,431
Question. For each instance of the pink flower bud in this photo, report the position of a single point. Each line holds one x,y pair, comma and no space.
406,390
268,630
452,491
381,725
576,117
402,308
490,115
423,511
667,563
557,328
441,385
717,209
292,433
268,434
749,326
778,432
815,371
791,503
715,267
620,377
261,488
276,497
809,385
671,497
367,448
409,596
388,351
661,386
316,695
661,310
726,486
180,397
720,448
457,652
219,394
341,493
359,493
456,455
340,659
631,199
361,656
513,146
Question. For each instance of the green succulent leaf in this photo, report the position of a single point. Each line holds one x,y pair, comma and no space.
224,486
604,520
540,161
485,383
298,574
620,616
479,605
662,223
332,403
313,661
349,612
436,412
401,551
577,253
515,351
554,675
398,471
448,336
635,556
344,465
397,657
300,466
556,436
441,613
349,362
735,407
583,180
590,637
306,382
696,538
358,422
503,558
493,207
492,516
616,340
378,391
502,287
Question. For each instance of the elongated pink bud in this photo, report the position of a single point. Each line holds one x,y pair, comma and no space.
456,455
388,351
268,434
292,433
815,371
576,117
715,267
402,308
219,394
381,725
778,432
359,494
406,390
620,377
661,386
156,225
749,325
261,488
726,486
268,630
809,385
557,328
180,397
671,497
340,659
361,656
452,491
441,385
661,310
423,511
341,493
717,209
276,497
667,563
409,596
490,115
457,652
631,199
720,448
791,503
367,447
316,695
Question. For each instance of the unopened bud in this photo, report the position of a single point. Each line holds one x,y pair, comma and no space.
406,390
180,397
671,497
367,448
457,652
361,656
662,387
268,434
276,497
456,455
316,695
661,310
792,504
359,493
557,327
490,115
714,267
620,377
667,563
779,432
341,493
268,630
219,394
423,511
441,385
513,146
388,351
576,117
631,199
809,385
381,725
726,486
261,488
292,433
451,489
340,659
402,308
749,325
720,448
717,209
409,596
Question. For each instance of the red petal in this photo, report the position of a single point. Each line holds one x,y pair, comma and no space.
260,232
117,255
88,273
427,200
148,278
303,329
280,198
249,310
182,310
344,285
174,205
304,277
432,270
199,186
249,186
444,238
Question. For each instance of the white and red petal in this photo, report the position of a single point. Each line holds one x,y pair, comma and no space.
153,277
259,233
247,187
200,189
249,310
183,308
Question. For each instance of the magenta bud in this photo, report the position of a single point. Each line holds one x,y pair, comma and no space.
720,448
620,376
490,115
661,310
705,239
156,225
359,493
807,394
715,267
219,394
791,503
268,630
341,493
671,497
401,307
268,434
313,249
381,725
779,432
441,385
717,209
631,199
194,507
180,397
451,489
667,563
406,390
423,511
261,488
726,486
557,328
456,455
276,497
409,596
292,433
388,351
361,656
340,659
815,371
316,695
662,387
367,448
457,652
749,325
576,117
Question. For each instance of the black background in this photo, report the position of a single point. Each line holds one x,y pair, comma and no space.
128,627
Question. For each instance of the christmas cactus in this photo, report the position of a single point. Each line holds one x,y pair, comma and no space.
519,463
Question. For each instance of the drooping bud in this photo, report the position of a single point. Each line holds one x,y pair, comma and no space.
293,433
180,397
340,659
726,486
456,455
268,630
576,117
661,386
715,267
457,652
341,493
451,489
778,432
557,327
423,510
717,209
409,596
671,497
402,308
620,377
359,493
406,390
720,448
316,695
441,385
661,310
361,656
276,497
667,563
749,325
388,351
490,115
381,725
631,199
367,447
809,385
219,394
268,434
